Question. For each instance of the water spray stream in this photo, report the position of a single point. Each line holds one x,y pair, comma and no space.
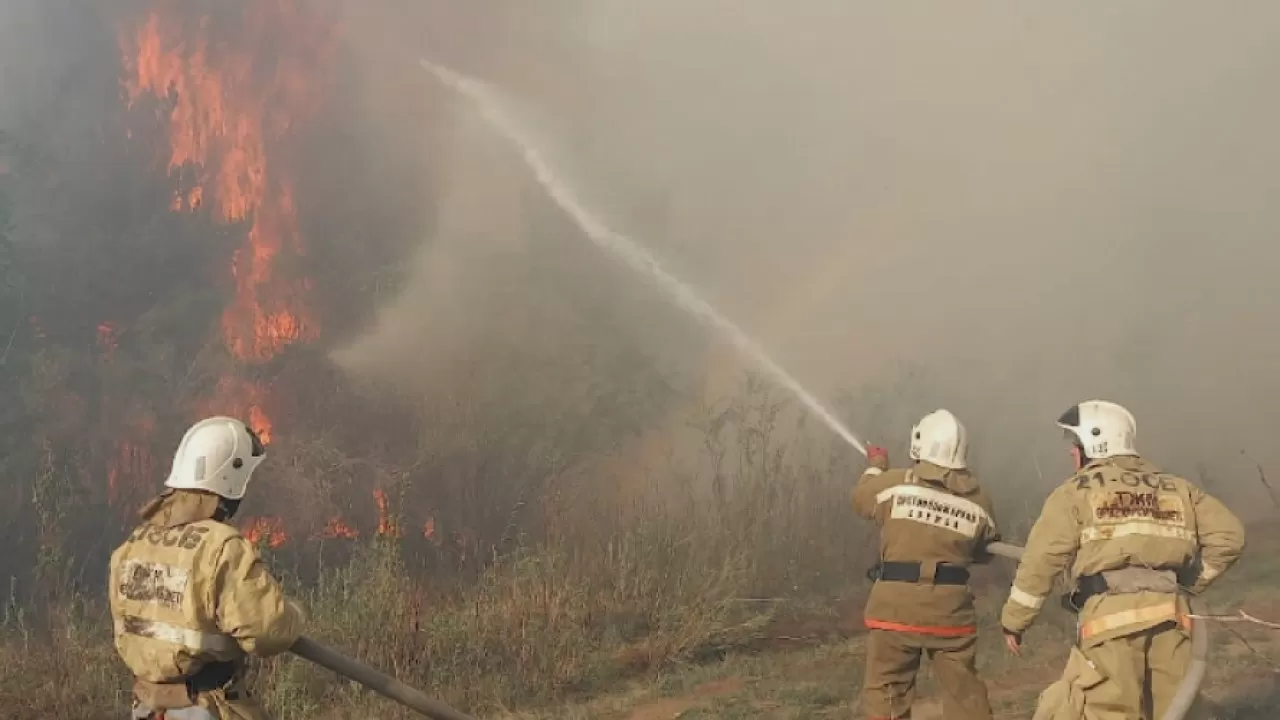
634,254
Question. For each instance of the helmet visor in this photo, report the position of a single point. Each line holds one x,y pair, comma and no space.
1070,418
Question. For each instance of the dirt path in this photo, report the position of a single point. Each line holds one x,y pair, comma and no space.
674,707
668,708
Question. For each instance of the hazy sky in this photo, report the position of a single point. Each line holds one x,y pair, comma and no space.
1040,202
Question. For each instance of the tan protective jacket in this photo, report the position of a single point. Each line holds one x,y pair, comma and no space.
927,515
185,590
1120,513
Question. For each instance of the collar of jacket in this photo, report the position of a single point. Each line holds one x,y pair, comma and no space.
960,482
180,507
1124,462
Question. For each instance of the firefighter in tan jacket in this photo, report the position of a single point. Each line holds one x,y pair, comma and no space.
190,597
1129,533
934,522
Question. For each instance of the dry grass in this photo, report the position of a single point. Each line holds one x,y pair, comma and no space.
733,596
546,635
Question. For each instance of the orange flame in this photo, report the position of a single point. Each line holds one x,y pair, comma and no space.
270,528
260,423
386,526
229,99
189,201
338,528
236,397
223,115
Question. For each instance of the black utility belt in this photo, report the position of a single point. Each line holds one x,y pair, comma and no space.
1089,586
212,676
183,692
909,572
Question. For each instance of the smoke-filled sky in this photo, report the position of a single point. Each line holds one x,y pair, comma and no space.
1039,203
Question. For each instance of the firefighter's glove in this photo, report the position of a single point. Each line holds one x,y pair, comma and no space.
878,457
1013,641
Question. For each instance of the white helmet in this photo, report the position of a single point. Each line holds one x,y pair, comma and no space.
941,439
217,455
1102,429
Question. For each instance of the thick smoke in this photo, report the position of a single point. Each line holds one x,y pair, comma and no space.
1035,204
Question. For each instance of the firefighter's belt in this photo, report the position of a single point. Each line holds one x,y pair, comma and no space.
1121,581
181,693
910,572
213,676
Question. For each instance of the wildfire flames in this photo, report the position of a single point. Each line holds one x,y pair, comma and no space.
386,526
338,528
271,529
230,92
225,114
229,87
243,399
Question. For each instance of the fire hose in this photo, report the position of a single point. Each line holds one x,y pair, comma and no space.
386,685
1189,689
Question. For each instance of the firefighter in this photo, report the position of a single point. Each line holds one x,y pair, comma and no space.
1132,536
935,521
190,597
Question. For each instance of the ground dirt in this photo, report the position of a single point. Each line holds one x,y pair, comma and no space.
675,707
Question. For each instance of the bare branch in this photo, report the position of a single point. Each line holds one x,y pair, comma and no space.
1262,478
1242,616
4,357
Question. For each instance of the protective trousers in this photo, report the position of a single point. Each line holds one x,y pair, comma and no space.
893,661
1133,676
